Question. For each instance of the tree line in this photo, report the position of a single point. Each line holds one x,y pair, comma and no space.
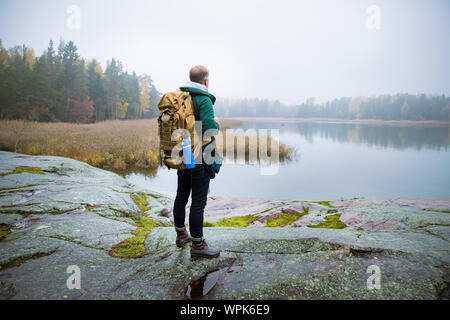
60,85
383,107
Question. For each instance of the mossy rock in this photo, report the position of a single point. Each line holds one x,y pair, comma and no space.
134,247
332,222
237,222
19,187
92,208
441,211
33,170
4,231
285,219
129,248
324,203
141,201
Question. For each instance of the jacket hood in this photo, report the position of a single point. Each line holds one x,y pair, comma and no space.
192,84
198,91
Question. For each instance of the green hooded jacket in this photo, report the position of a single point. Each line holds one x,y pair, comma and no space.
203,108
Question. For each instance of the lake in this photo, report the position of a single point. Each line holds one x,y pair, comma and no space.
337,160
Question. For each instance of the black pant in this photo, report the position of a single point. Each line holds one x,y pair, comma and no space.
197,180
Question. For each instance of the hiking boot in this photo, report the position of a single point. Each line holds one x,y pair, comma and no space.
202,250
182,238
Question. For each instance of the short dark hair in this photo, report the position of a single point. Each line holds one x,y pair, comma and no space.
199,74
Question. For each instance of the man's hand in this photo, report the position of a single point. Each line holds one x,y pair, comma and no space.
217,120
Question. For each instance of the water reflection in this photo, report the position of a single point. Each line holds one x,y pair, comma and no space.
199,288
338,160
383,135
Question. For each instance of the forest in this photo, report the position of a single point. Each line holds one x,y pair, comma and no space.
384,107
61,86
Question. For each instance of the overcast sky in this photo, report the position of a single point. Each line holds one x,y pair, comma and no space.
285,50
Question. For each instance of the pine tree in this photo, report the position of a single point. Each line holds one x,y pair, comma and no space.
97,90
112,89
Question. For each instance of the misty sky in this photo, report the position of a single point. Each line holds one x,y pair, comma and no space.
285,50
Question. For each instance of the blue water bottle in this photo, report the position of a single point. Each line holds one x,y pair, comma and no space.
188,156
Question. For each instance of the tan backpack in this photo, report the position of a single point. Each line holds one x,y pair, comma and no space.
177,112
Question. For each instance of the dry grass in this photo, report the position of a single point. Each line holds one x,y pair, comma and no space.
246,148
120,146
230,123
113,145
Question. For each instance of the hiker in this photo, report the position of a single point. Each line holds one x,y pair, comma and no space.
194,180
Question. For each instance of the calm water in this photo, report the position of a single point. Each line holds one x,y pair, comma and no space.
338,160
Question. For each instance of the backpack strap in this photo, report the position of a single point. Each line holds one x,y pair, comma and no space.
196,110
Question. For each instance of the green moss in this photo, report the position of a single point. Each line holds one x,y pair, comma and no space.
145,225
4,231
441,211
281,221
285,219
134,247
238,222
141,202
57,212
21,187
130,248
324,203
91,208
33,170
332,222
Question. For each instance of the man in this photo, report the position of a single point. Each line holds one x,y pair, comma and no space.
196,180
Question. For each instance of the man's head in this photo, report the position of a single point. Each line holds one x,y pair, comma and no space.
200,75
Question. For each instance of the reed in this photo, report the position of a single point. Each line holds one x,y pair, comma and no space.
120,145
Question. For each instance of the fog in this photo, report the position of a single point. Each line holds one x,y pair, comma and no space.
283,50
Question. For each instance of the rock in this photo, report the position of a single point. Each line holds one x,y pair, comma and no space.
375,217
68,186
226,207
164,212
289,211
316,214
74,213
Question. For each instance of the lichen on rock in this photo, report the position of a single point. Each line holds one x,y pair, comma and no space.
123,240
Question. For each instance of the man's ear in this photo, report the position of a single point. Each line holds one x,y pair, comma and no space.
206,82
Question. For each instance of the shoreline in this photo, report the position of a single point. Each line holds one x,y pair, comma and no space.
56,210
374,121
